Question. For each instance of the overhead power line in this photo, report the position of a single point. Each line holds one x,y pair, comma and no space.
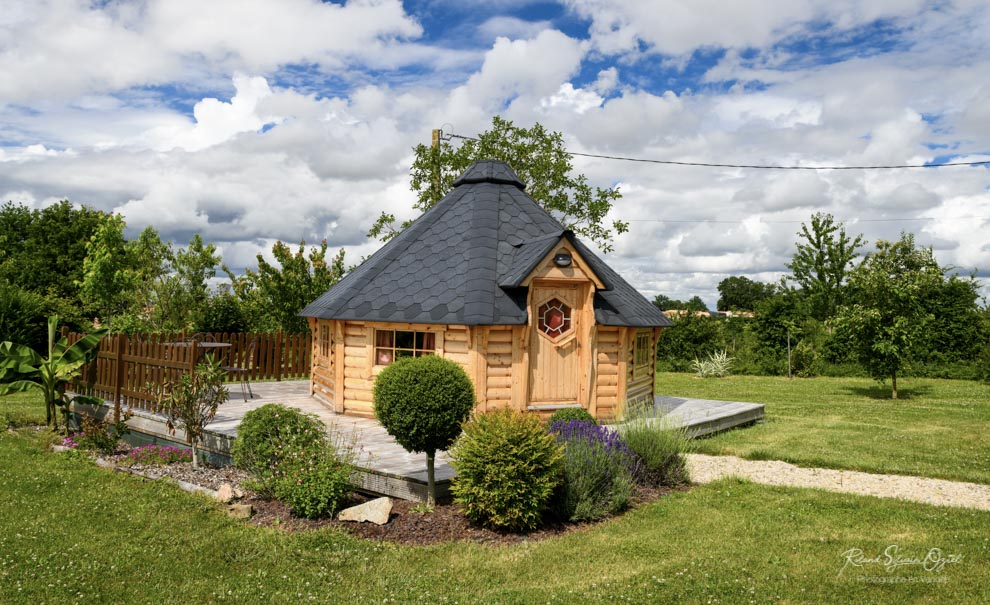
448,136
796,222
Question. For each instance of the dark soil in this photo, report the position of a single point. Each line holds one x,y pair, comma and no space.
408,526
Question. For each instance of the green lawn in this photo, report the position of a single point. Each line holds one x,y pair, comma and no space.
71,532
938,428
21,409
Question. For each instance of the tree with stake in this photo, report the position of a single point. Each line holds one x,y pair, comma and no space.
191,402
423,402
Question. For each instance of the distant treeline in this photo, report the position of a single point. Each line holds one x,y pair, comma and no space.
894,311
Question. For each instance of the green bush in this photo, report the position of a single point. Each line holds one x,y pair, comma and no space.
223,313
272,439
422,402
316,489
508,468
23,317
566,414
660,448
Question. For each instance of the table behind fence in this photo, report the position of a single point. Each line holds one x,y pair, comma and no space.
127,366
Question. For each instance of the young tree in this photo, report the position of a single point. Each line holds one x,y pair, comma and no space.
179,297
740,293
538,157
195,266
110,280
820,265
273,296
889,317
779,319
422,402
191,402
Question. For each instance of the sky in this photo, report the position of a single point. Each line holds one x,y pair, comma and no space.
251,121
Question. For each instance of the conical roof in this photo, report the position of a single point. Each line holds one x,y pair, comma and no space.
463,261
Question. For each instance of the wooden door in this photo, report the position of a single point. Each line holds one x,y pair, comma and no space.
555,341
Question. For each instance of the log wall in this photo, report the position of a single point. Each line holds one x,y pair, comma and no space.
492,356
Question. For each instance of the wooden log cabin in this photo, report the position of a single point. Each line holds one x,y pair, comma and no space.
488,279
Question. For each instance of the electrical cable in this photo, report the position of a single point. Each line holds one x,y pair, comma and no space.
448,136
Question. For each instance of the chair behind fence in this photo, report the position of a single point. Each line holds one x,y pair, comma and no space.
129,367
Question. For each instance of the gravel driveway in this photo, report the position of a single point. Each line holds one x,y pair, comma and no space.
939,492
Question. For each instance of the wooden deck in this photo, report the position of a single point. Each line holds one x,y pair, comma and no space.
705,416
385,468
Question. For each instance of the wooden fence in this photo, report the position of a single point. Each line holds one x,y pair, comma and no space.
127,366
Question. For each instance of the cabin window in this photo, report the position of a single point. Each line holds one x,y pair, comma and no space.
554,318
324,340
641,354
396,344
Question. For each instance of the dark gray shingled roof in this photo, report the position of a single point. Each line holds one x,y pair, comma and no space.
463,261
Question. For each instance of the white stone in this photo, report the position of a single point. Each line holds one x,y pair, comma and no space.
374,511
226,493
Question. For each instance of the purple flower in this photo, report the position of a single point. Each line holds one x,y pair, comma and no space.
569,431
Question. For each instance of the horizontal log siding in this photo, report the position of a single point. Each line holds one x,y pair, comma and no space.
358,358
455,346
607,380
499,368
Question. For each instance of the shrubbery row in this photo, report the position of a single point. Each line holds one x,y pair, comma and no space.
512,472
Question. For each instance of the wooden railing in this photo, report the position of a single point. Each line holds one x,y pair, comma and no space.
127,366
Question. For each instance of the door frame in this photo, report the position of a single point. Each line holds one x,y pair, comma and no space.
582,321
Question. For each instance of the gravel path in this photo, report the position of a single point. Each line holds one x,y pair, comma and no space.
940,492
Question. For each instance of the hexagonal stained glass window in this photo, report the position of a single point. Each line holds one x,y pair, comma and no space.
554,318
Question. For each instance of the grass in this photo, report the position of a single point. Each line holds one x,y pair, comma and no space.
938,428
71,532
22,409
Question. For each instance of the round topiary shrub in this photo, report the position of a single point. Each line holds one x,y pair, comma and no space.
274,437
508,468
422,402
566,414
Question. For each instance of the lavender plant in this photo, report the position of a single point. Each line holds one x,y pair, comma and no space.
599,471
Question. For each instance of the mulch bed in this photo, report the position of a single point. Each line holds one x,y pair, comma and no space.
407,524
